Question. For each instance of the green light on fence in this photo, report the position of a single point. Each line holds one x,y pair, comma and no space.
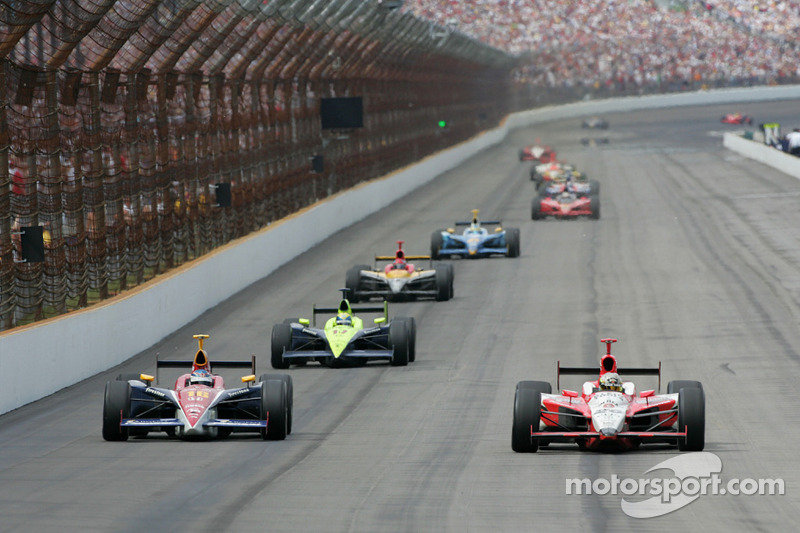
442,123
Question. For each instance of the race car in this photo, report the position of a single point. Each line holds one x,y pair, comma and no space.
574,182
537,152
344,341
543,173
400,280
565,205
199,406
736,118
476,240
596,141
608,414
595,123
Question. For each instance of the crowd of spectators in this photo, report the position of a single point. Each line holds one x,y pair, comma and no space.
632,44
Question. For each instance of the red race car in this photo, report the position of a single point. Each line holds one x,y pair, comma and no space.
608,414
736,118
565,204
537,152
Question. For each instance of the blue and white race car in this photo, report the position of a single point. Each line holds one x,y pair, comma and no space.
476,240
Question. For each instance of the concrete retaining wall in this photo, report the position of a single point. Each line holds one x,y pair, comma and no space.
40,359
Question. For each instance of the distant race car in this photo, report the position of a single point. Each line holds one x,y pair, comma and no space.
596,141
199,406
595,123
736,118
476,240
608,414
573,182
344,340
565,205
545,172
537,152
400,280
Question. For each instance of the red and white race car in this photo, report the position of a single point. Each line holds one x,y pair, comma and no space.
736,118
608,414
537,152
566,204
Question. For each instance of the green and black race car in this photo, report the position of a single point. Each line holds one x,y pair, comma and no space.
344,340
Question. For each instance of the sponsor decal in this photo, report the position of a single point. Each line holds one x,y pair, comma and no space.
155,392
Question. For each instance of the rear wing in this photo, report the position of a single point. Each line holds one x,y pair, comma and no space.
408,257
595,371
387,258
482,222
251,364
356,310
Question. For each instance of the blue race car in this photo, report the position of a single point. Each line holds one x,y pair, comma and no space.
476,240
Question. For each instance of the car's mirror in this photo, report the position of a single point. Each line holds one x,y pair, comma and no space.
380,320
146,377
304,321
248,379
648,393
450,230
498,229
569,393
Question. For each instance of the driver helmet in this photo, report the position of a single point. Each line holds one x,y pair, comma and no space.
201,377
343,319
610,381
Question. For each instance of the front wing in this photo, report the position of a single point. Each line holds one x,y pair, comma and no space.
372,284
174,422
308,346
569,436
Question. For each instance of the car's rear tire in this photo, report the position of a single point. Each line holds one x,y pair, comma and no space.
352,280
692,418
399,341
673,387
281,339
512,241
527,415
287,380
275,409
594,206
116,406
436,244
444,284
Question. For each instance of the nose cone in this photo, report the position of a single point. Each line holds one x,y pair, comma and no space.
608,432
396,284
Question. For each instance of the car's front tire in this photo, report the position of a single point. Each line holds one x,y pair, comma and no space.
274,409
527,415
444,283
692,418
287,380
399,341
512,241
281,340
116,406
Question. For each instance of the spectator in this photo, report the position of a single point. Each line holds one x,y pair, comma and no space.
793,142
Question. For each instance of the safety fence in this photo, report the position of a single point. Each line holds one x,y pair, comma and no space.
122,120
